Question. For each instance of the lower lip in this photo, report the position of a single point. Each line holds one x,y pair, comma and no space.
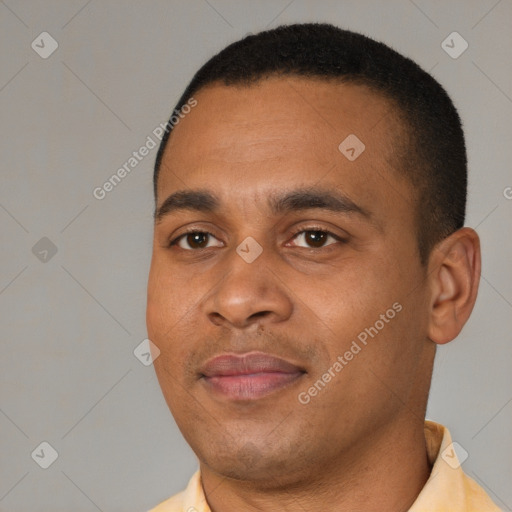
251,386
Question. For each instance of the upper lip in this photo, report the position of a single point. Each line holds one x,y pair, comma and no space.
246,364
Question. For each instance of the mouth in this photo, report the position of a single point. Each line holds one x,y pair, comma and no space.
248,376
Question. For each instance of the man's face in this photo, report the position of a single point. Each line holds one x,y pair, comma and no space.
221,318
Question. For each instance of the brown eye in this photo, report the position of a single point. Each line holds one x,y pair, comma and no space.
315,239
197,240
193,240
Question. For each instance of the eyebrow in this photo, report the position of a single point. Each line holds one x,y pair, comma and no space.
290,201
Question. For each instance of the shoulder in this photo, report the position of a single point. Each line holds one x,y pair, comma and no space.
476,497
189,500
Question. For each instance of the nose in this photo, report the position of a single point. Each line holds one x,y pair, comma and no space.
249,293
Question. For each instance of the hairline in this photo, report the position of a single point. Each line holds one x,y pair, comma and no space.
397,111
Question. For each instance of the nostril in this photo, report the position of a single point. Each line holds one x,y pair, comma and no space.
216,318
259,314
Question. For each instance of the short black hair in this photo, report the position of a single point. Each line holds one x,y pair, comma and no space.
433,157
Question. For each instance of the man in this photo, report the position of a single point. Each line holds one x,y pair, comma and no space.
309,255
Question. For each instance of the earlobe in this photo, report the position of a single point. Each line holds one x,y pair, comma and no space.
454,274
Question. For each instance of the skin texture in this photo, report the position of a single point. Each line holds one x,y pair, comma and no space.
359,443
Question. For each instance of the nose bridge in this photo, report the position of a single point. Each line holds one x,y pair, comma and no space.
249,291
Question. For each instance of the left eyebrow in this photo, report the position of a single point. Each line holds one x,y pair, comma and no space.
315,198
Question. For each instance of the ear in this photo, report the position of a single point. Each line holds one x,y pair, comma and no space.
454,274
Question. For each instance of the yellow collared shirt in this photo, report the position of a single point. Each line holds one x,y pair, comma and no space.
448,488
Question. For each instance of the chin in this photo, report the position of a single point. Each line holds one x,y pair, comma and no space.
267,466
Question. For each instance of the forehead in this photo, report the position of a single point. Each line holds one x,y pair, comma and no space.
279,132
274,111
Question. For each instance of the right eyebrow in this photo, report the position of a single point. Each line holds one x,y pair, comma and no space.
195,200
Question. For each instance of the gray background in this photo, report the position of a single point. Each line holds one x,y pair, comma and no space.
70,323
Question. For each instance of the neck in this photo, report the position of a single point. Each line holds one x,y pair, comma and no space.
384,475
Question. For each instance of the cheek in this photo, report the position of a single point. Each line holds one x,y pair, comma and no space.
366,303
355,296
154,320
163,310
165,294
157,305
162,321
170,304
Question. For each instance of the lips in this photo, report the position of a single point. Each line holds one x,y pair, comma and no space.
248,376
